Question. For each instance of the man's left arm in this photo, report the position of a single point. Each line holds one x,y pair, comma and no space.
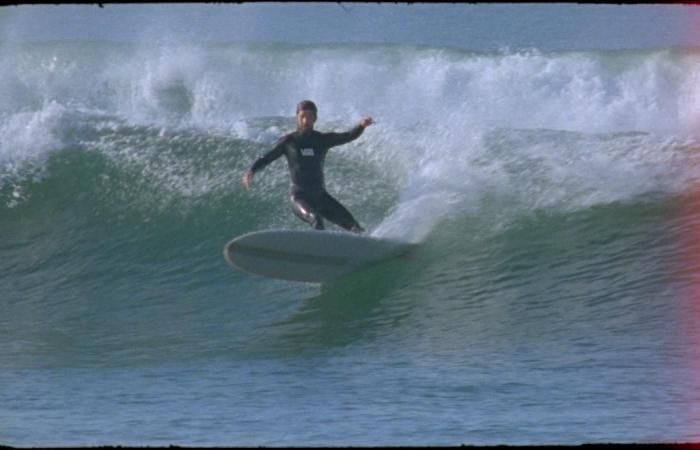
335,139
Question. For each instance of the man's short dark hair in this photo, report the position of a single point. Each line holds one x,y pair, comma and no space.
307,105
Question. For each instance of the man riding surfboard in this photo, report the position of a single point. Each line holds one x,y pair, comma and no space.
305,150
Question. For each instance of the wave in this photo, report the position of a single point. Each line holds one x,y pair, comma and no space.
160,128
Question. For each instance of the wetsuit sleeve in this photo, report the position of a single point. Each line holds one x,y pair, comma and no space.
333,139
267,158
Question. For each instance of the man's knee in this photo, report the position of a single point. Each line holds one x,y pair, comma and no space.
307,214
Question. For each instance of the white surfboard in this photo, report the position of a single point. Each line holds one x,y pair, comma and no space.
308,255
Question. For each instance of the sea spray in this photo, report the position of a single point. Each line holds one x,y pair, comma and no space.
458,132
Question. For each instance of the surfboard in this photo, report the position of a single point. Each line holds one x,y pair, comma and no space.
309,255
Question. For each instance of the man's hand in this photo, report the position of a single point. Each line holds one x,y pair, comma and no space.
366,121
248,178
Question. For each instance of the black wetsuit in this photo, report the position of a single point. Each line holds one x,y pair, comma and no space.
306,154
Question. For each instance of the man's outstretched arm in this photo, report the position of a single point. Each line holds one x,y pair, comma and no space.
343,138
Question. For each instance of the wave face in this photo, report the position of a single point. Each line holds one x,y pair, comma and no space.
549,192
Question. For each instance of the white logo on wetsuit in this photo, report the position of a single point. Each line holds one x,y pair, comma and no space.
307,152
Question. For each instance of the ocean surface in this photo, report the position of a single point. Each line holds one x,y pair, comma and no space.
552,189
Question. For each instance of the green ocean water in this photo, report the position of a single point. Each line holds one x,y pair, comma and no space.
550,300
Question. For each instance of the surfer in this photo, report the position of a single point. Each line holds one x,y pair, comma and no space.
305,150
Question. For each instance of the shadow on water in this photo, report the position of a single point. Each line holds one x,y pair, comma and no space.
344,311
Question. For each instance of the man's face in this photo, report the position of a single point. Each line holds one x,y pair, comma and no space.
306,119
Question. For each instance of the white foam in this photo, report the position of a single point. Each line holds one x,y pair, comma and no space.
30,136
